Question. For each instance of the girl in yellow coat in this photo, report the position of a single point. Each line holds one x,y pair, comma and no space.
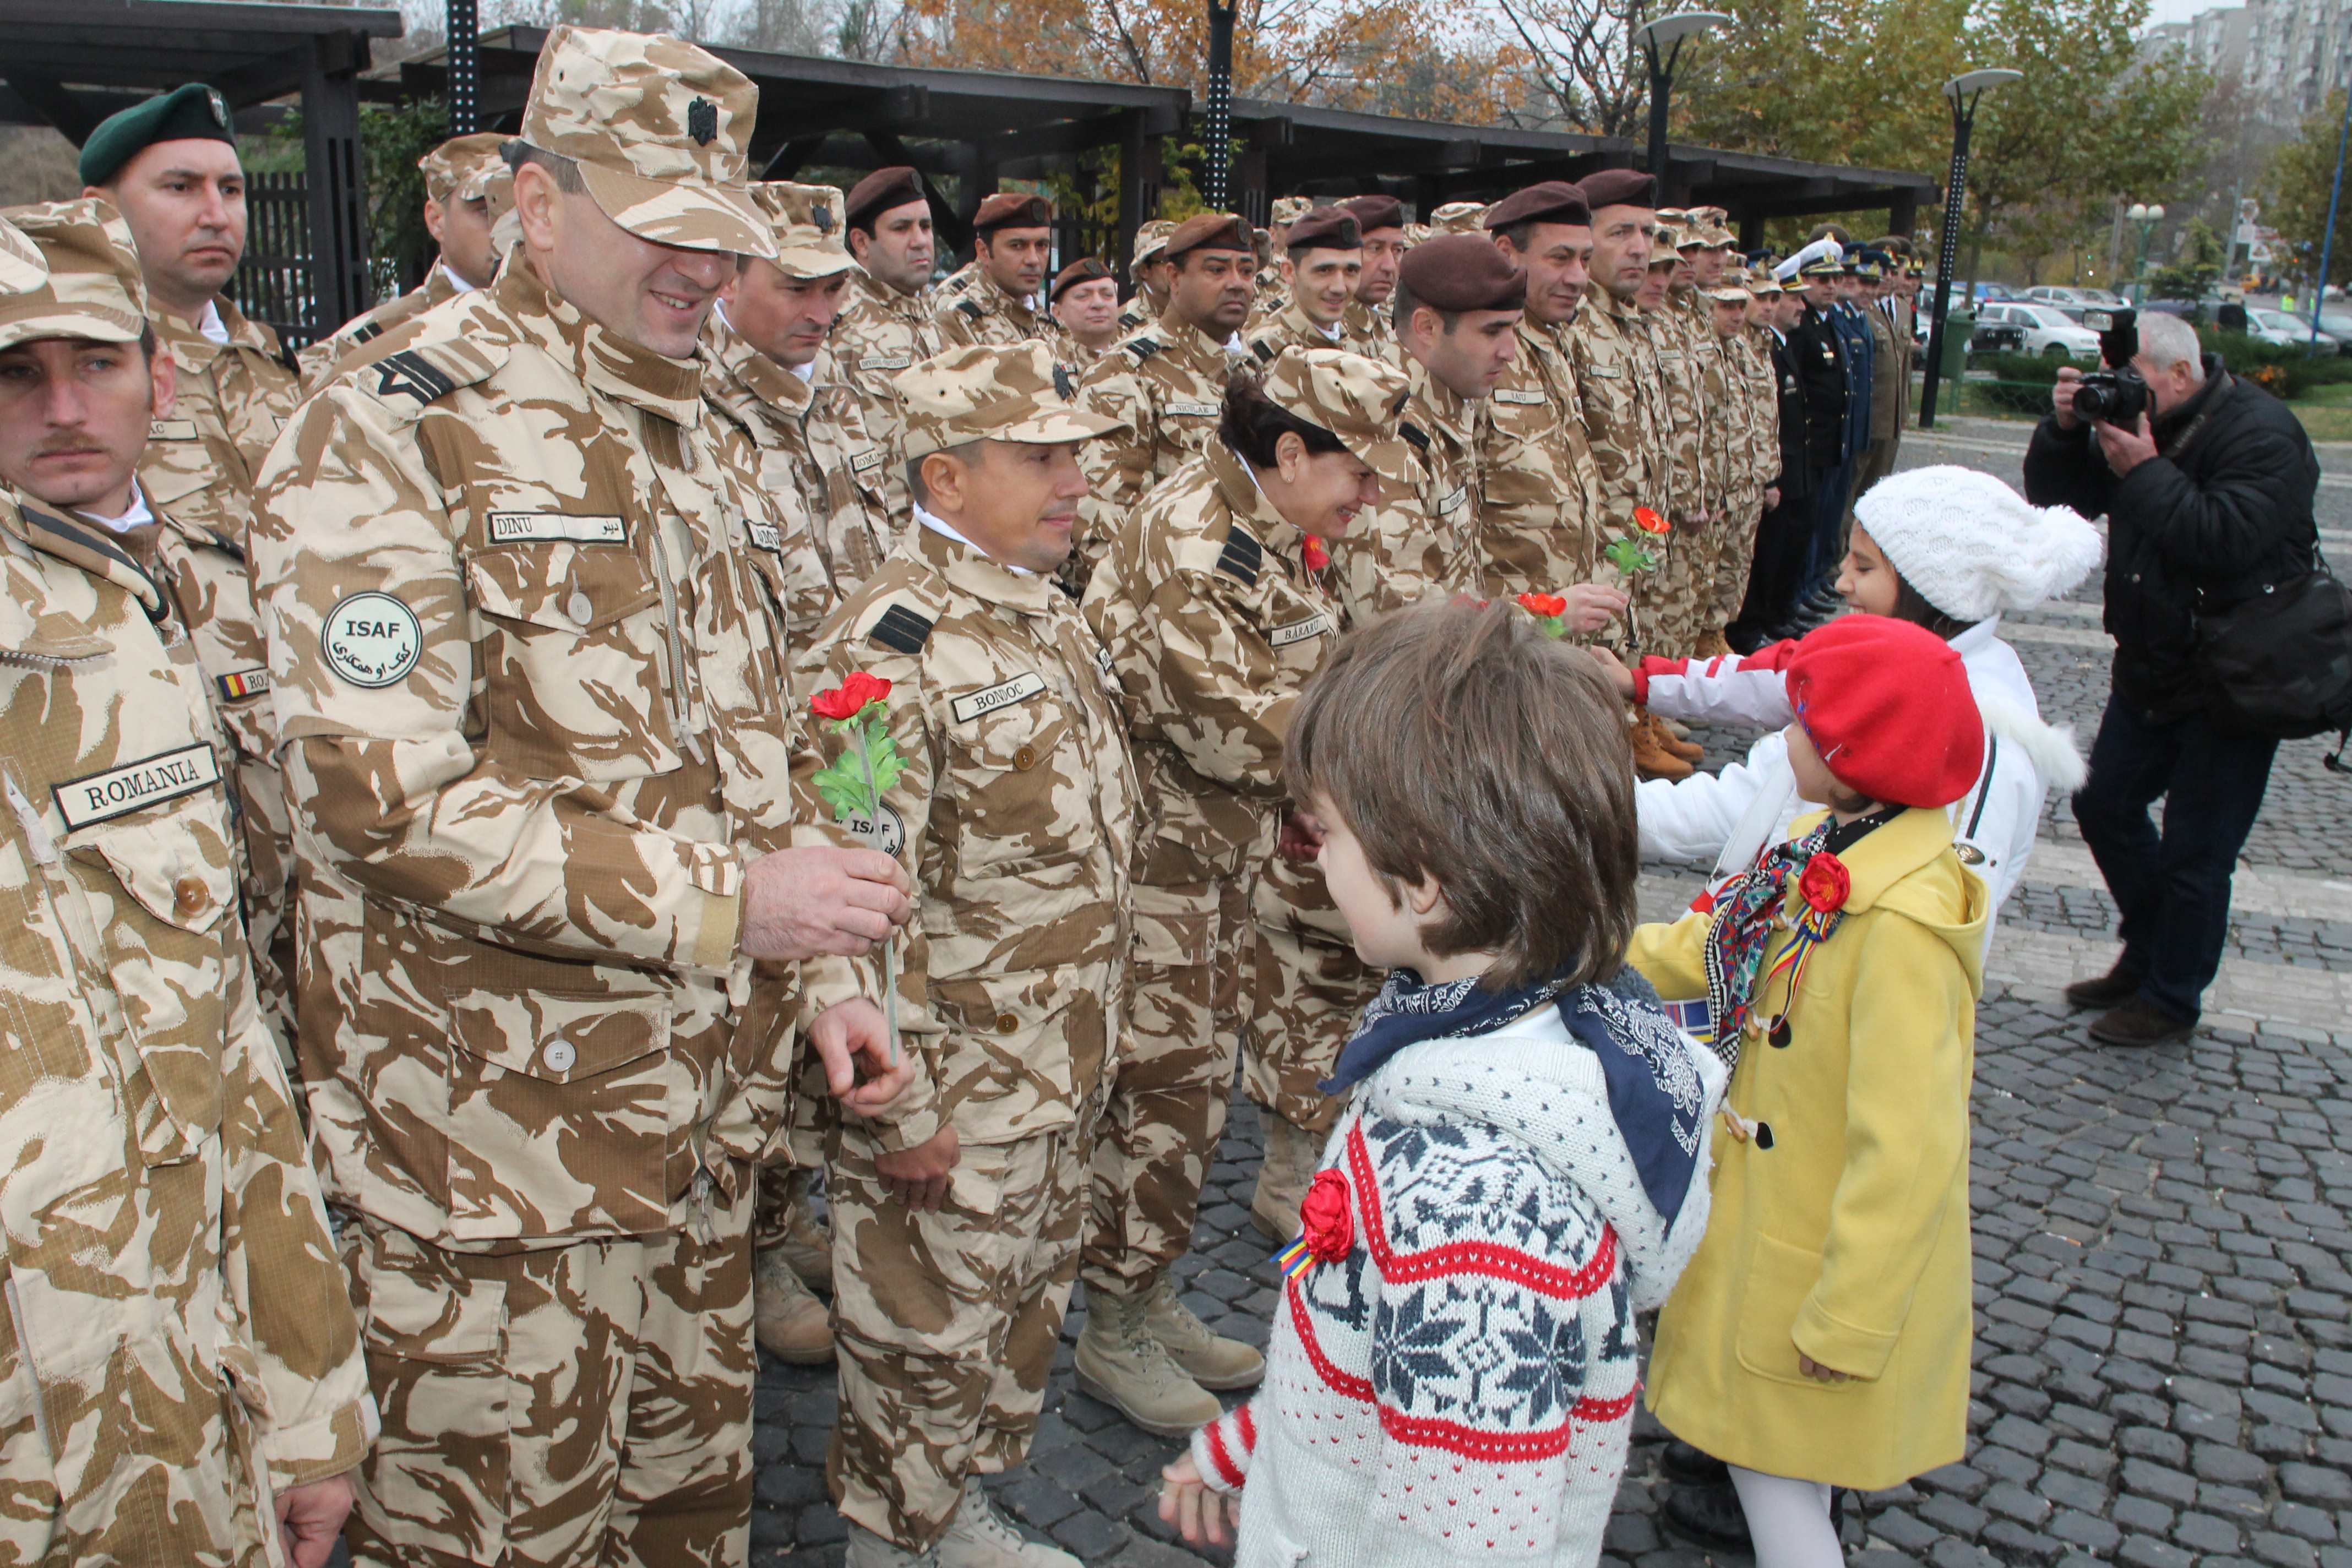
1821,1336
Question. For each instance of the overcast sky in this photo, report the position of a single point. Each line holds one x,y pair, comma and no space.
2178,10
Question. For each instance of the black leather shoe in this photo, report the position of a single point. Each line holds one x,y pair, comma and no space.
1691,1467
2140,1022
1708,1517
2112,989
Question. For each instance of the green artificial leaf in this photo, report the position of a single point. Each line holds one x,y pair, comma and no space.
843,785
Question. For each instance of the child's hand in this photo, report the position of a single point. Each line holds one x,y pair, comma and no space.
1805,1364
1187,1503
1615,669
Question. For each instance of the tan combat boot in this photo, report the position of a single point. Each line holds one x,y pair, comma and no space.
980,1537
789,1323
1676,737
1121,1363
1291,1153
867,1550
1715,644
1205,1356
1651,758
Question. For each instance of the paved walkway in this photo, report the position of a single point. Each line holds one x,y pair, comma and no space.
2164,1257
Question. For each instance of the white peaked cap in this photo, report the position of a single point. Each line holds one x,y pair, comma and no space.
1825,246
1974,547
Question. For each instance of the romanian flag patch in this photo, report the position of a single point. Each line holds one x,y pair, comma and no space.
244,683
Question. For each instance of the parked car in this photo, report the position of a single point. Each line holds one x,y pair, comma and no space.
1996,337
2290,328
2048,330
1990,291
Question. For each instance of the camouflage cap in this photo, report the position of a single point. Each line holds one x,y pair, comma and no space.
1459,217
21,264
1355,398
658,127
1152,239
806,225
1709,224
505,229
1415,233
1762,283
1290,209
993,392
95,289
1730,291
462,165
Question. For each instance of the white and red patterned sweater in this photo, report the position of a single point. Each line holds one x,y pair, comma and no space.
1460,1388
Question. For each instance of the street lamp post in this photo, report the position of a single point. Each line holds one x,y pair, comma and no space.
2147,216
1963,90
463,95
1220,128
2327,240
1653,37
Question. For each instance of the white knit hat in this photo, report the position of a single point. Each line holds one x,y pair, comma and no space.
1972,546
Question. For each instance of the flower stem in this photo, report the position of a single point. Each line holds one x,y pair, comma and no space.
857,728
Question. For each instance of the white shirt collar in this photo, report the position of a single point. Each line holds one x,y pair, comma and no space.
940,525
135,515
456,283
210,326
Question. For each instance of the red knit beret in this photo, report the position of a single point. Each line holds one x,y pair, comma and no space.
1325,229
1618,188
1209,231
1375,211
880,191
1887,705
1011,209
1463,272
1553,201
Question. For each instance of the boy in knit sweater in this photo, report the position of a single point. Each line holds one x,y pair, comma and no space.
1523,1164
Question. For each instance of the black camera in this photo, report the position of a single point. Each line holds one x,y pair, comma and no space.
2118,396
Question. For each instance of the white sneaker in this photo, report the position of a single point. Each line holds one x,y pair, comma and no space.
981,1537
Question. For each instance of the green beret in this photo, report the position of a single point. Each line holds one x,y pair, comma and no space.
188,114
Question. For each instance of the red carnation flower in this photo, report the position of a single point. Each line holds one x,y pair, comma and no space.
1325,1218
1825,883
1312,551
1543,603
1649,521
849,698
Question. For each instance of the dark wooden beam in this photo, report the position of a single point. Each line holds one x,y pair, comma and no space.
893,109
57,104
791,158
949,225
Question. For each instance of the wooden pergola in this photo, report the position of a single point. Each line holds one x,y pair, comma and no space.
72,63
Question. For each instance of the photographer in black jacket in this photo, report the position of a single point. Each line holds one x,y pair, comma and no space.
2207,495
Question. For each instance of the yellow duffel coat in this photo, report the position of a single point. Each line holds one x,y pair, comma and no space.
1847,1238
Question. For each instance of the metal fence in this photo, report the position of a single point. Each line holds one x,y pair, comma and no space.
273,284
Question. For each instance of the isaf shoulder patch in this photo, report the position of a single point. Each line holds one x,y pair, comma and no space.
371,640
902,629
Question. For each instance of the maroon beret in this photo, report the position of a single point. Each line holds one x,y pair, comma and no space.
1553,201
1375,212
1463,272
1618,188
1210,231
880,191
1013,209
1085,269
1326,228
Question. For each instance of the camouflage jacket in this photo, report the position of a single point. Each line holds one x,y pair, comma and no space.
1411,546
1141,310
1755,362
534,693
1722,428
1372,332
174,1304
201,463
879,334
318,362
1539,495
204,574
1290,327
1015,817
817,467
1626,417
1675,353
968,308
1213,625
1168,383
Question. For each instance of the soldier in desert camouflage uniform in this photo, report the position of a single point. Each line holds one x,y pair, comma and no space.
772,370
1214,620
1165,384
999,295
1539,499
1085,299
170,167
178,1350
1271,283
458,175
886,325
1149,271
957,1218
1370,326
522,586
1752,456
1664,600
1325,257
768,366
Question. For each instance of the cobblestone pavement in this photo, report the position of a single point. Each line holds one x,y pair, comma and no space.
2164,1257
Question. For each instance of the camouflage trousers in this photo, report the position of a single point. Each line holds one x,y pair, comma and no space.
578,1405
1159,1132
1734,552
1309,990
945,1324
1667,597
